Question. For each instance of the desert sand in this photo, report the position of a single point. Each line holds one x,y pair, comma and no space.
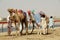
53,35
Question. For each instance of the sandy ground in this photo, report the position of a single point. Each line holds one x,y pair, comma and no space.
53,35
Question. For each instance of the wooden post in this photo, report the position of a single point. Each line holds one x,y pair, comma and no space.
2,27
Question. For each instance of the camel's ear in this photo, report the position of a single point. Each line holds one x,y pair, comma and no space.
9,9
15,10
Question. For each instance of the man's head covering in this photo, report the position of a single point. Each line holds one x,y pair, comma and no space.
24,13
41,13
29,12
33,11
21,11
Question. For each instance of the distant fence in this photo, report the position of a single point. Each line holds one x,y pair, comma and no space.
56,20
3,24
7,22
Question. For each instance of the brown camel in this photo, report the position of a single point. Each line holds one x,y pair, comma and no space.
18,18
14,18
23,19
31,19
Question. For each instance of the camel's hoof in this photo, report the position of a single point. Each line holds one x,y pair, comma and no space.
31,32
38,33
9,35
26,33
20,33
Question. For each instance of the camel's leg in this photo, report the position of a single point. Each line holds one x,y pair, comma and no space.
16,28
26,25
47,29
22,29
9,31
9,27
33,27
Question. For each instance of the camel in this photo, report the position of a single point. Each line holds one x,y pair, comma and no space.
18,18
30,13
12,18
23,20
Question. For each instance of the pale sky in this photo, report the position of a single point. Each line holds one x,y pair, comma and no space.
50,7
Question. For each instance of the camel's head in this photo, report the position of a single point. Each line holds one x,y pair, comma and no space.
10,10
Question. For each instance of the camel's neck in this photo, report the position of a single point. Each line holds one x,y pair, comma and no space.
11,14
31,17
